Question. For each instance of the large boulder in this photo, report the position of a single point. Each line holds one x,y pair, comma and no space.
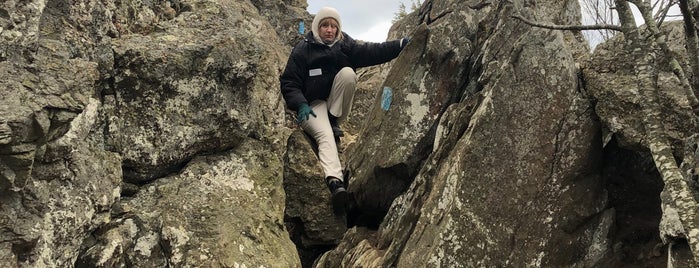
220,210
101,99
152,133
491,140
611,80
202,82
57,180
399,130
57,193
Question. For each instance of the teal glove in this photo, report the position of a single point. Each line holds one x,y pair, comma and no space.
304,113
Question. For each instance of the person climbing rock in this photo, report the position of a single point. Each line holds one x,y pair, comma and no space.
319,82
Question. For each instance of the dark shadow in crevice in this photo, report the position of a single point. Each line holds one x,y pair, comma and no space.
634,186
308,254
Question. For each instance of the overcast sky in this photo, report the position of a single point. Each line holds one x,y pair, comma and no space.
367,20
370,20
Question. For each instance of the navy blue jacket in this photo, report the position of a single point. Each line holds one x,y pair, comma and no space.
312,66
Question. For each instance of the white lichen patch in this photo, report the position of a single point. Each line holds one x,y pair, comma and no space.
600,242
450,197
109,250
116,193
418,108
145,244
177,237
537,261
115,240
670,225
231,173
131,226
82,124
548,219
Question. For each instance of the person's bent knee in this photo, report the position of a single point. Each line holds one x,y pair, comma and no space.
347,74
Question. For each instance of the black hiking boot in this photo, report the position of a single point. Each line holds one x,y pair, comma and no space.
340,196
337,131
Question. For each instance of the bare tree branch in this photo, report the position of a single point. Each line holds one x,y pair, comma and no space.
677,194
692,41
569,27
661,40
599,12
661,15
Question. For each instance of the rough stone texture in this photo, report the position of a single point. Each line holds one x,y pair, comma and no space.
203,82
369,87
424,80
58,197
152,133
57,183
504,156
610,78
104,96
221,210
308,214
285,16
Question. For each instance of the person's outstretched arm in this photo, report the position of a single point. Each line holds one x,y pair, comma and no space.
368,53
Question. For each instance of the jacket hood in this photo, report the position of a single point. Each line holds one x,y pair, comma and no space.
326,12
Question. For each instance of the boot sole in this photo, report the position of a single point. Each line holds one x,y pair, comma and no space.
340,201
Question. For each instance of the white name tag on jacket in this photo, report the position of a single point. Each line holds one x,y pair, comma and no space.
315,72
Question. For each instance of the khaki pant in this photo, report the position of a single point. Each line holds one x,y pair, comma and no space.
339,104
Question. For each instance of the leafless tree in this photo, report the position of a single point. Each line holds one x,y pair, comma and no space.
603,12
647,44
599,12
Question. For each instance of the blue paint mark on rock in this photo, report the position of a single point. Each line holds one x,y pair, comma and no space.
386,98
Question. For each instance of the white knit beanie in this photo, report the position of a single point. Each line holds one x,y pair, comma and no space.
326,12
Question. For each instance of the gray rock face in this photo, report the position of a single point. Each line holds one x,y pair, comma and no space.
178,91
55,194
286,17
101,96
220,210
491,144
308,214
611,81
610,77
57,183
152,133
